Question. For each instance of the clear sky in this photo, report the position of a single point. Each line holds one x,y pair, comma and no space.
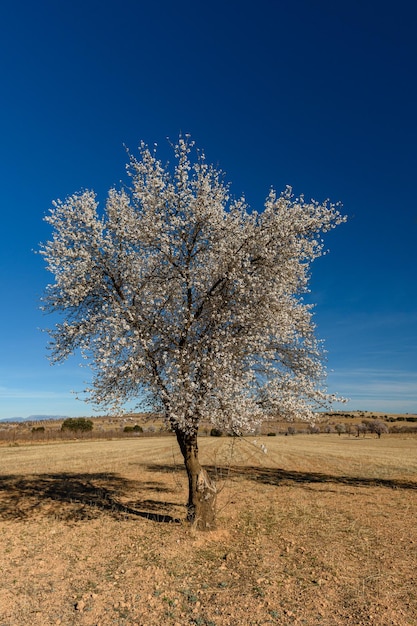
316,94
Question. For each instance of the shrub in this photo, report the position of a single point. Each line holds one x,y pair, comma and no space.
77,424
271,434
403,429
133,429
38,429
216,432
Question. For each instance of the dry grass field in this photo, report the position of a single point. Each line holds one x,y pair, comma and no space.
321,530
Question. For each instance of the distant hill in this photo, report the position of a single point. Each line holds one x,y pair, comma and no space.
33,418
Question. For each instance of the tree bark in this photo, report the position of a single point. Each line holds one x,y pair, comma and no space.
202,493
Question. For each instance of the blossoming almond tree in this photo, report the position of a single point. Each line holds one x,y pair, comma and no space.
179,295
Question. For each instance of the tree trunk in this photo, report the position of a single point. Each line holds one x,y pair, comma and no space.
201,507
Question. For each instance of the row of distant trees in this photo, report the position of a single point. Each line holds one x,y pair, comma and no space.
387,418
82,427
375,426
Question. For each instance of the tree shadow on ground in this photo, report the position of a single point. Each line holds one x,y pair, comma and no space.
77,496
72,496
281,477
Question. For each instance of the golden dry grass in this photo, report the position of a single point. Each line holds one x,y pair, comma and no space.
319,531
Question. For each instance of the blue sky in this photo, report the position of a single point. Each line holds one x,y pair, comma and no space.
320,95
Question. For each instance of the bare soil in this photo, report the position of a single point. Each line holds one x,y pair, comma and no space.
320,530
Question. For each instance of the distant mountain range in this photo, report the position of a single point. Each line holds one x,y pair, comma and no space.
33,418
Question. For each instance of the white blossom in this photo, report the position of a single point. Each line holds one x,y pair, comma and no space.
180,296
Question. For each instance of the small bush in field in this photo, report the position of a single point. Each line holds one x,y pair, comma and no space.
133,429
38,429
215,432
76,424
271,434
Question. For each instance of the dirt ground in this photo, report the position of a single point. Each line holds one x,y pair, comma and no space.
320,530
